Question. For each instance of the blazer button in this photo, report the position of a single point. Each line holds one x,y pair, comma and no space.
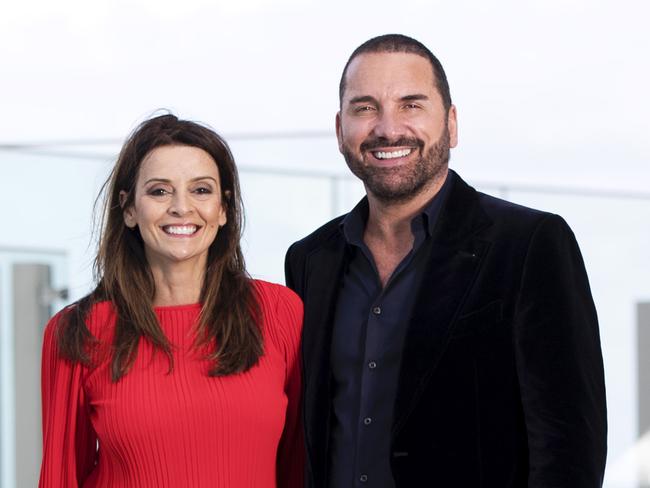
363,478
376,310
372,365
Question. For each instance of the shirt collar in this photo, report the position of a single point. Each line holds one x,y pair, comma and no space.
422,224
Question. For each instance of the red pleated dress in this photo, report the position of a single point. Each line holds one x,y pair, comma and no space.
155,428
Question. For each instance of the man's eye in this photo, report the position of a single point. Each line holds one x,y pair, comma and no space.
364,108
411,105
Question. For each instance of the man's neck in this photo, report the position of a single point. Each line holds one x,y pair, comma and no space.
388,232
391,221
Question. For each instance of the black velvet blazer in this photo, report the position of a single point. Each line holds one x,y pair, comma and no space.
501,383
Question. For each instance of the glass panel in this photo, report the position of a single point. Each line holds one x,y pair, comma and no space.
20,345
279,210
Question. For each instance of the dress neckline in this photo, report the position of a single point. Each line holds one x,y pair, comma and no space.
178,308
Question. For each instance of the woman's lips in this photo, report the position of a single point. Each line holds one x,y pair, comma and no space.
180,230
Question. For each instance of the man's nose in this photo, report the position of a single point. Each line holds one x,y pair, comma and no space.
388,125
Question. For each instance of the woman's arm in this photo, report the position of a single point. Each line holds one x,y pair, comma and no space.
69,441
291,452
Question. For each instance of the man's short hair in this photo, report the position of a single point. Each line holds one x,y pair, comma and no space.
398,43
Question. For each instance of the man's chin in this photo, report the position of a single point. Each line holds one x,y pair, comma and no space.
394,193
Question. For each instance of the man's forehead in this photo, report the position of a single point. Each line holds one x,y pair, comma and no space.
388,71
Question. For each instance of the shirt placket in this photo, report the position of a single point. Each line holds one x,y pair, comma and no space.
369,378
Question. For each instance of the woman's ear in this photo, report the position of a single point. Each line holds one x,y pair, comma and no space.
127,213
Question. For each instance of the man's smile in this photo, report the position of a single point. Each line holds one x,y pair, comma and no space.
400,153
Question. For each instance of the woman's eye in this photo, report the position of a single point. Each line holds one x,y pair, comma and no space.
203,190
158,192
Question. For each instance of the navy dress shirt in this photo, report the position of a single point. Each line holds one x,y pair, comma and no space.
369,329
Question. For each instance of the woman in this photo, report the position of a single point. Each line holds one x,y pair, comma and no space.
177,370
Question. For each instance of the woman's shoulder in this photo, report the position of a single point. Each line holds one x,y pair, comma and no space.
276,297
99,317
281,311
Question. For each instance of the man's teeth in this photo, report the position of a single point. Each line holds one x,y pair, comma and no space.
184,230
392,154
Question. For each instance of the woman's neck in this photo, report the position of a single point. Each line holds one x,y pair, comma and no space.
178,284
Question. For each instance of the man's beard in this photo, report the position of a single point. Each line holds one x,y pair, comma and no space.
400,184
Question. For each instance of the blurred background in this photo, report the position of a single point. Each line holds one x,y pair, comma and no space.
553,109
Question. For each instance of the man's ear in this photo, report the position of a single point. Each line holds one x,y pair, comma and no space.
339,136
452,126
127,213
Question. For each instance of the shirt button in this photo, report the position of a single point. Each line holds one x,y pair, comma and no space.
367,421
372,365
363,478
376,310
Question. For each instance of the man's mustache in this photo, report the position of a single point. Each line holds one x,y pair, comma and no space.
383,142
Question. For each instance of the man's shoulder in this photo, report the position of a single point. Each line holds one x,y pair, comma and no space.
327,233
516,220
499,208
503,214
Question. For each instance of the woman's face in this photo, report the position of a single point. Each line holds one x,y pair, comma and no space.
177,205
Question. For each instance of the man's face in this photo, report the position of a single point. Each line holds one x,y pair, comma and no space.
393,129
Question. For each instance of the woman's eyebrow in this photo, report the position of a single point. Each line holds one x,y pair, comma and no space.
167,180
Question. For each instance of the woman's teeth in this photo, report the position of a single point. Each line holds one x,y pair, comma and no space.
182,230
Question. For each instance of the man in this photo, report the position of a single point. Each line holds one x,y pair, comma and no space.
450,338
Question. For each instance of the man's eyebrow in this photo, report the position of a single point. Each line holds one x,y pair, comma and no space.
406,98
362,99
414,97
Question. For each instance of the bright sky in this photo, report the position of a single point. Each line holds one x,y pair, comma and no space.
552,90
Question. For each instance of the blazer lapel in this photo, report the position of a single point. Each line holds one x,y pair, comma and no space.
453,265
325,266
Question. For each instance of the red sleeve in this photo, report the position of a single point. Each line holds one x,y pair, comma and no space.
69,441
291,452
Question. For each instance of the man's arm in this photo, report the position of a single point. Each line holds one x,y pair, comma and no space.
559,363
293,270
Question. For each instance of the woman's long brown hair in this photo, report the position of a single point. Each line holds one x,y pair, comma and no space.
230,316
